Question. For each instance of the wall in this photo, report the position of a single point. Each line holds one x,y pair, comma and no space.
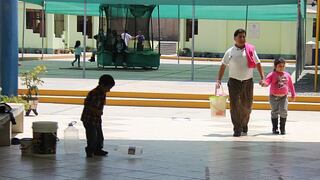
33,41
74,35
216,36
309,28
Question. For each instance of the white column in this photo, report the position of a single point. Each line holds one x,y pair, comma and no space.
50,31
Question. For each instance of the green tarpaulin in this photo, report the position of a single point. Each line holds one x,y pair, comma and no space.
178,2
263,10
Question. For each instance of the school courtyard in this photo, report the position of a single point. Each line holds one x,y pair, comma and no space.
164,111
178,143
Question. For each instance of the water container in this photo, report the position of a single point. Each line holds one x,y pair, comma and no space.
44,137
71,139
129,150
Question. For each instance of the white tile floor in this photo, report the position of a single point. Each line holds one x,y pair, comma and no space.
192,146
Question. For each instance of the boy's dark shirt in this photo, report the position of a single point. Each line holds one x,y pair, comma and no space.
95,99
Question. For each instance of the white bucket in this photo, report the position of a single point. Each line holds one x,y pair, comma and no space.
44,137
26,146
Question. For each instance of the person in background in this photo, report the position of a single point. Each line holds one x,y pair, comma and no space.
126,37
140,39
77,53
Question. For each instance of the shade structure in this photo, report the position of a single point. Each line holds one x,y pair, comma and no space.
177,2
278,12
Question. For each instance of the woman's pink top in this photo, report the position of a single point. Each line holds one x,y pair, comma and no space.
281,83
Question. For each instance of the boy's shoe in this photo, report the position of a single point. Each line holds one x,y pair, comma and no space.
236,134
101,153
72,64
89,155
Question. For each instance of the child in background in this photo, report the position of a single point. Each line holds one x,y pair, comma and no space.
77,53
280,84
91,116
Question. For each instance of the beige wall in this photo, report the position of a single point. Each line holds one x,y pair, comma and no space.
217,36
32,40
70,35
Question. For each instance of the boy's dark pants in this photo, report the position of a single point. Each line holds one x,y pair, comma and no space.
94,136
241,97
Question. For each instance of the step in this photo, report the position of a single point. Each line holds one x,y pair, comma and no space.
148,95
174,103
164,99
216,59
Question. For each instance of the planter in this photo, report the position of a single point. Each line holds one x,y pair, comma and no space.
66,51
33,102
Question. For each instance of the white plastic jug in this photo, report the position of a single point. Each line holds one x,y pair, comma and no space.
129,150
71,139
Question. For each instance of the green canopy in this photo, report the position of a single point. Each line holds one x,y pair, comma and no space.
177,2
282,12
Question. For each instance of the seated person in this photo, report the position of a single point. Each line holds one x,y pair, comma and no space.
119,48
100,39
109,40
140,39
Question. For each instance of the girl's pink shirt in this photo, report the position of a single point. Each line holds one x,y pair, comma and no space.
280,83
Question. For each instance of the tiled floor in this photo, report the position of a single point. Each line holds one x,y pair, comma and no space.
178,144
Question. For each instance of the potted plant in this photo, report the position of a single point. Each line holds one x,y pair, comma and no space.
31,79
14,99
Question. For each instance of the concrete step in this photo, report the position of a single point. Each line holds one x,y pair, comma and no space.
165,100
215,59
174,103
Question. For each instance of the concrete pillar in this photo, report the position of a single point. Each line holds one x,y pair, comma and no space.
9,47
182,33
95,30
50,32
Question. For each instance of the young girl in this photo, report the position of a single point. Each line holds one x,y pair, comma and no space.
281,84
77,53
